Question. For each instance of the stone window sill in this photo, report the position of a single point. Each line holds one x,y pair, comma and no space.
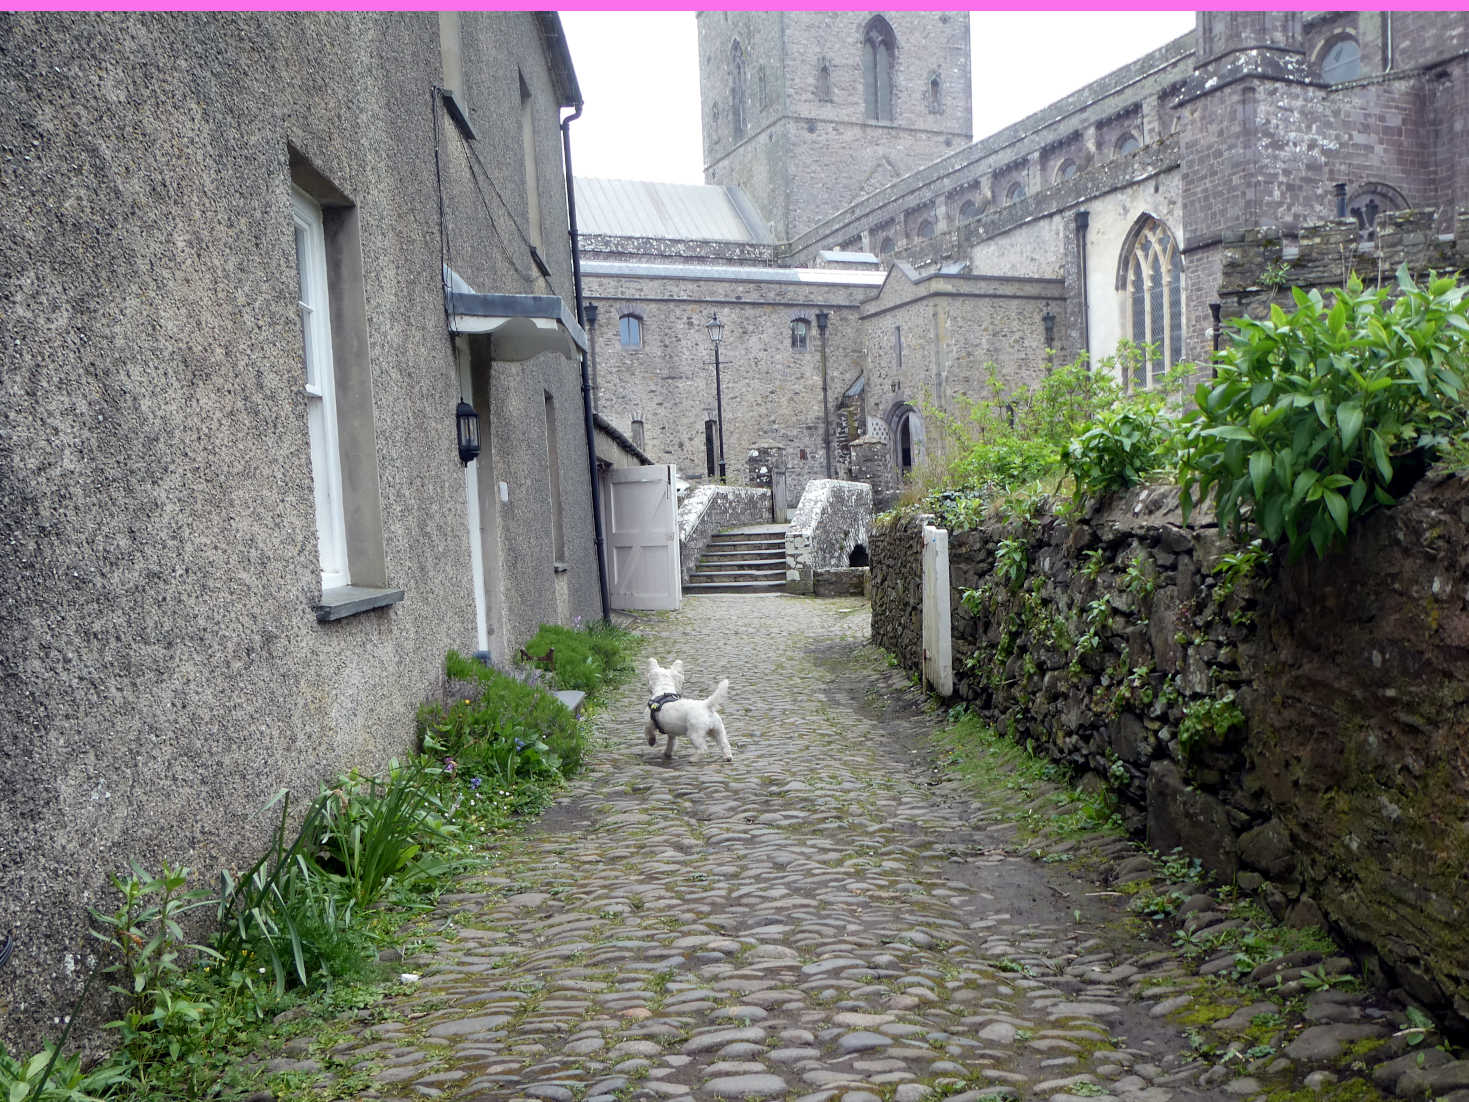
349,600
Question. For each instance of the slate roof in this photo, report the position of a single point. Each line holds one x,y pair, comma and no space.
691,212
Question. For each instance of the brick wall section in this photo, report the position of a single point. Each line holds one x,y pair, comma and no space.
1333,800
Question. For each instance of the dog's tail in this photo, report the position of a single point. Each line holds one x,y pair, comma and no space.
718,696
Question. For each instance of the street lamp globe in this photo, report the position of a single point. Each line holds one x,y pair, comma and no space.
716,330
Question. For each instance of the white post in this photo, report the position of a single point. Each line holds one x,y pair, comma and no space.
938,638
471,509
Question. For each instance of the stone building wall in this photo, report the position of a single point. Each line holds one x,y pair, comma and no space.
1337,790
802,153
162,673
771,391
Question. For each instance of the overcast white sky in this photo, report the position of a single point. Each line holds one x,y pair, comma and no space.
639,75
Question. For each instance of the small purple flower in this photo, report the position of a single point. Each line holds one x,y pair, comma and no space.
450,765
474,783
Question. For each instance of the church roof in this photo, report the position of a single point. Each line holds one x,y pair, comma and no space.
690,212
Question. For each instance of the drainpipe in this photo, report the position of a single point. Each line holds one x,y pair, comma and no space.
586,380
1083,219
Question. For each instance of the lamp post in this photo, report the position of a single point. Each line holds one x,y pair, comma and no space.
1214,308
589,311
716,334
822,317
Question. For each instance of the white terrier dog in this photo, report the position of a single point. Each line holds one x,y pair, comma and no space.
670,714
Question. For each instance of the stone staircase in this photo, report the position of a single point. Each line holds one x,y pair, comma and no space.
742,560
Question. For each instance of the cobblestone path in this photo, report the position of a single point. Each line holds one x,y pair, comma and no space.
825,918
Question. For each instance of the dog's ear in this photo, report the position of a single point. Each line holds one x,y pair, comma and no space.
652,667
677,670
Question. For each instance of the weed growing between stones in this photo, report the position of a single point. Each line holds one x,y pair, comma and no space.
307,932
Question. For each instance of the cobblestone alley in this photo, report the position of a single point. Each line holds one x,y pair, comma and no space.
825,918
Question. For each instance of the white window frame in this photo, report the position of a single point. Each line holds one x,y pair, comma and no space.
314,305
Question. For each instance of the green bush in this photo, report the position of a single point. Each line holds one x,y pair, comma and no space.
1130,441
1316,415
585,659
1005,439
51,1077
507,729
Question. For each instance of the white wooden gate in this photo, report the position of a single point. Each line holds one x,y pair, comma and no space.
642,538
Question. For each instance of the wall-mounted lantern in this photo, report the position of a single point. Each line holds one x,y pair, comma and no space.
1048,319
467,423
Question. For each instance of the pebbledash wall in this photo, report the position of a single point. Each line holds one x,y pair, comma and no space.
1341,798
162,673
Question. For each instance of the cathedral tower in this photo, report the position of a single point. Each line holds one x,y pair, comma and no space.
809,111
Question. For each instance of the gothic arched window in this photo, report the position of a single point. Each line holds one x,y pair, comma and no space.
879,49
968,209
935,95
1066,170
925,229
1128,143
1151,281
1015,192
737,90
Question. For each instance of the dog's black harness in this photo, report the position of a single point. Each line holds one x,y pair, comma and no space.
658,702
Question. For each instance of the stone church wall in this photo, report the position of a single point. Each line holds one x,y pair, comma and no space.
1304,733
771,392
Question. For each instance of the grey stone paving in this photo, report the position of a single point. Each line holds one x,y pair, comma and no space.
824,918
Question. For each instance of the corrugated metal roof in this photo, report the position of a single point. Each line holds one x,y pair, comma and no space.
642,208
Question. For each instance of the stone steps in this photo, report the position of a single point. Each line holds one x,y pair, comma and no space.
741,561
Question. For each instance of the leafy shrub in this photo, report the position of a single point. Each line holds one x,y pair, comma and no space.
1005,439
50,1077
373,832
584,659
504,728
1315,415
284,916
1130,441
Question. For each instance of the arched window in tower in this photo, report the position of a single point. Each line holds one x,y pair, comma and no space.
1151,282
925,229
1066,170
887,247
737,90
1015,192
1341,61
935,95
823,81
879,49
1128,143
968,209
630,331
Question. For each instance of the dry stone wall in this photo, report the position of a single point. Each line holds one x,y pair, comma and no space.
1301,729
